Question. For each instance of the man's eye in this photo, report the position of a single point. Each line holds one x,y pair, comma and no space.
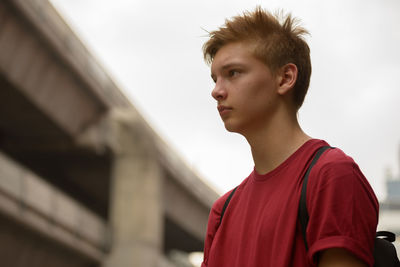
233,73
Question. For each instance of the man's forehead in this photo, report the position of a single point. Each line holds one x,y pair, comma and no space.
229,58
224,59
233,51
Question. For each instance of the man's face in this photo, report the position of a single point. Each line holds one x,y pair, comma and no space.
245,88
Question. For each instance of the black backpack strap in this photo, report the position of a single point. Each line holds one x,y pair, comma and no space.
226,204
385,254
388,236
303,213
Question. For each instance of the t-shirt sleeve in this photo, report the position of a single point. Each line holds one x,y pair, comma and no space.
214,220
343,209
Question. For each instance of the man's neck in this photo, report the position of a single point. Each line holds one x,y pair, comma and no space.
271,146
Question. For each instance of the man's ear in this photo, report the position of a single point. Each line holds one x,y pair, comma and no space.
287,78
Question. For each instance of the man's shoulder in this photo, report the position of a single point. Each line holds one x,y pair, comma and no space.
335,158
336,169
220,202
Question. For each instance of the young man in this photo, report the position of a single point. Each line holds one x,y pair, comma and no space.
261,69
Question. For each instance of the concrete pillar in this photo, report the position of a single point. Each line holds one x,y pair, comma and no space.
136,215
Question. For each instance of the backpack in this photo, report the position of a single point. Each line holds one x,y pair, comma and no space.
384,251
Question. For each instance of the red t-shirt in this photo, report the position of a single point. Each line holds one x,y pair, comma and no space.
260,226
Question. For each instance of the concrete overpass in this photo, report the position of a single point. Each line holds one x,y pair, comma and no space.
84,180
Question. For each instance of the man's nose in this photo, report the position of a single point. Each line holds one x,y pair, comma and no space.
219,91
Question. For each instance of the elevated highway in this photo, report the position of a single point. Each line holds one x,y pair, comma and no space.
84,180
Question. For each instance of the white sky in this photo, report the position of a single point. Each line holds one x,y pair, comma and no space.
152,49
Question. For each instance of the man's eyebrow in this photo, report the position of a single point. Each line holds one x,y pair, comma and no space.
232,64
228,66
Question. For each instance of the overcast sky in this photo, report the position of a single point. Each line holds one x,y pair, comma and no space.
152,49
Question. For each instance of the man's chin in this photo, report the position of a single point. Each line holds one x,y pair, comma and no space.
231,127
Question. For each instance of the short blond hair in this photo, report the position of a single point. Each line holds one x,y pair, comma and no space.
278,40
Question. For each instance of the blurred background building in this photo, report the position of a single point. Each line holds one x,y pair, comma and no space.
389,215
84,180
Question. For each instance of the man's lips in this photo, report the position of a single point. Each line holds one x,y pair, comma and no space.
223,109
